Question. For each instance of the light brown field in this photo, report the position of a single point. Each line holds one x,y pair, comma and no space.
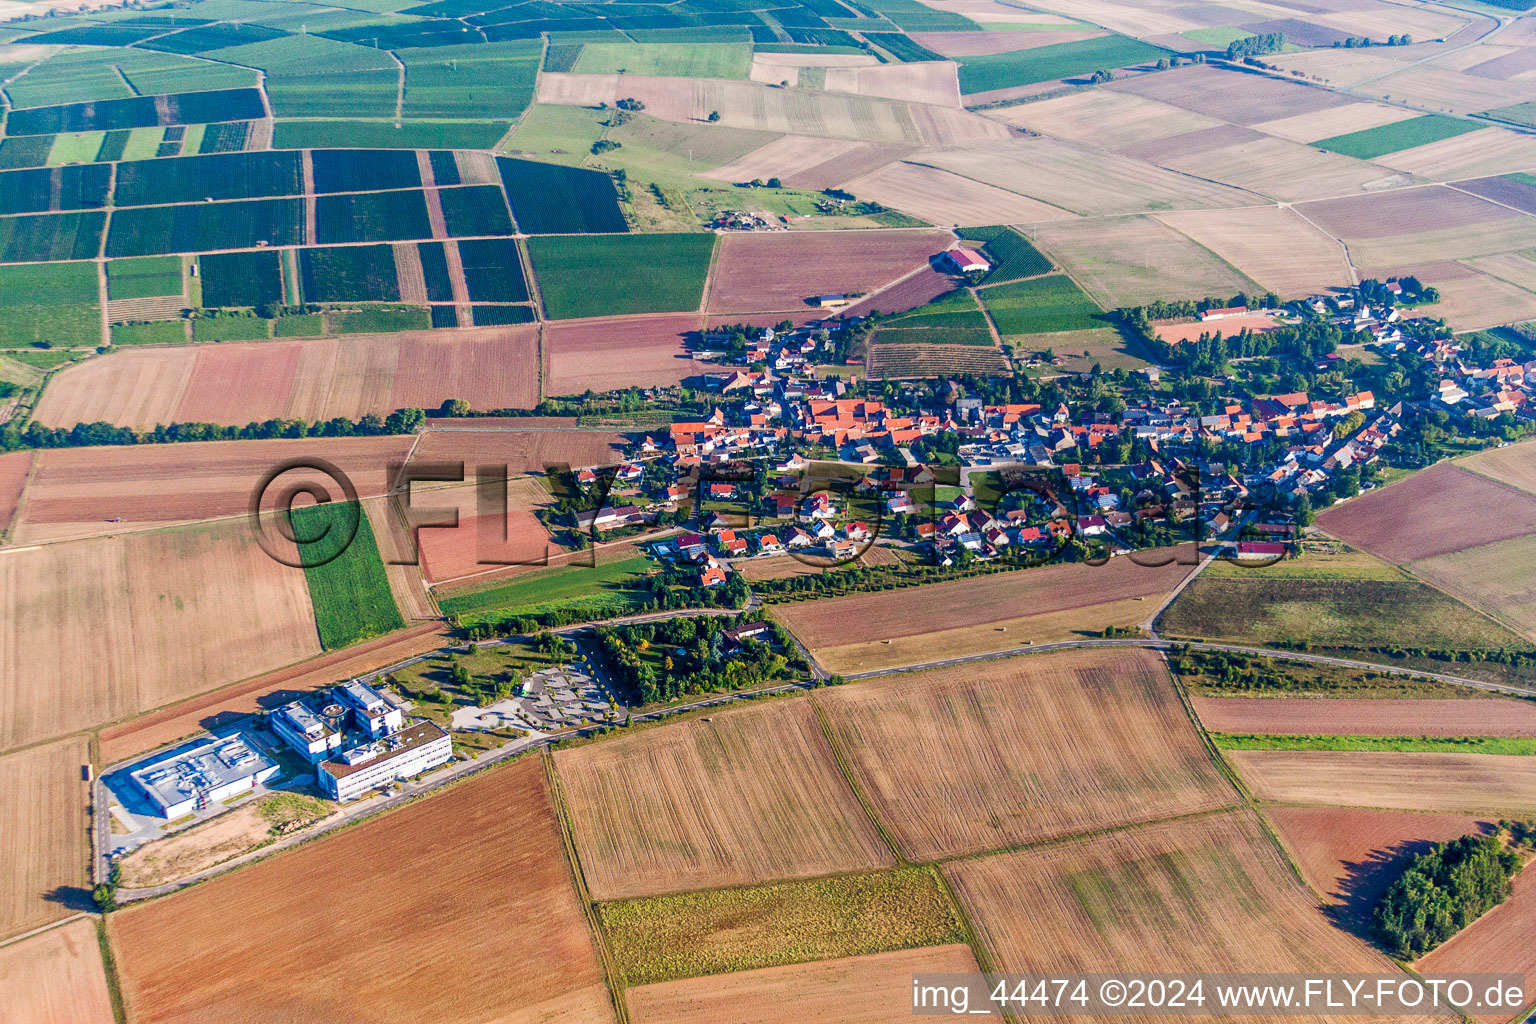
43,846
1272,245
1230,96
739,797
813,263
815,60
1483,152
981,600
1466,783
1514,268
1480,299
14,467
1109,119
990,755
224,837
907,293
1082,180
1206,140
932,82
1410,225
99,628
805,161
1208,894
1325,124
332,922
972,44
1229,326
319,378
855,990
941,197
1495,578
521,451
1350,855
405,579
1443,509
1128,261
1380,20
1448,91
618,352
1500,940
1515,465
478,540
1346,717
75,491
1130,18
1284,170
57,978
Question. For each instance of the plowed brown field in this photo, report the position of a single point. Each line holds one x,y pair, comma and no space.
993,754
521,451
56,978
43,850
605,353
481,541
1328,717
1500,784
455,909
14,467
781,270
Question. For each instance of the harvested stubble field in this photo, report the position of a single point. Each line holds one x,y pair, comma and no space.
1351,717
942,197
1128,261
43,845
1434,512
105,627
1403,212
853,990
1515,465
619,352
76,491
1499,940
1207,894
401,561
1236,97
521,451
1350,855
664,938
1272,245
804,161
1280,169
56,977
1338,121
187,957
1111,119
1496,578
1478,299
813,263
989,755
14,468
1497,784
743,796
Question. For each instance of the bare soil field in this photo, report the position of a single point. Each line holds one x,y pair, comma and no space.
480,541
1345,717
80,491
44,851
1496,578
1480,299
14,467
1114,120
1233,96
521,451
320,378
1515,465
109,626
1350,855
1500,940
617,352
737,797
224,837
1128,261
1504,190
1283,170
1205,894
805,161
941,197
1497,784
1230,327
1449,91
990,755
1272,245
401,562
1403,212
1434,512
908,293
1488,151
807,264
854,990
931,82
914,611
273,689
1206,140
188,957
1325,124
57,978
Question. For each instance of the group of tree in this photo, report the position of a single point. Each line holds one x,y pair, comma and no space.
1443,890
81,435
1254,46
661,661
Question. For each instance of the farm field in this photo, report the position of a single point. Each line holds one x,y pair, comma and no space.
928,750
1273,246
167,950
56,976
852,990
1343,716
822,263
1441,510
1515,466
44,850
523,451
520,537
1502,785
1059,60
1369,143
347,582
615,352
14,468
1041,305
750,795
1208,893
1499,937
942,197
1495,578
58,303
600,590
551,199
1129,261
894,360
665,938
1350,855
582,276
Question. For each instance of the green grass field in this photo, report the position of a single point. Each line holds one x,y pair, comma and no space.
1327,561
556,133
381,320
1217,38
1519,113
567,587
1042,305
143,143
231,328
487,80
301,325
164,332
56,303
686,60
1389,138
1058,60
346,94
77,148
600,275
958,308
661,938
146,277
384,134
1520,746
348,588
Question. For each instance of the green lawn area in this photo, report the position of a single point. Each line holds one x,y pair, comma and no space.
686,60
382,320
1042,305
1389,138
958,308
144,277
300,325
603,275
347,586
164,332
143,143
566,587
1058,60
557,133
1217,38
1523,745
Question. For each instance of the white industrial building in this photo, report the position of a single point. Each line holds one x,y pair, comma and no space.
399,755
209,772
315,735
